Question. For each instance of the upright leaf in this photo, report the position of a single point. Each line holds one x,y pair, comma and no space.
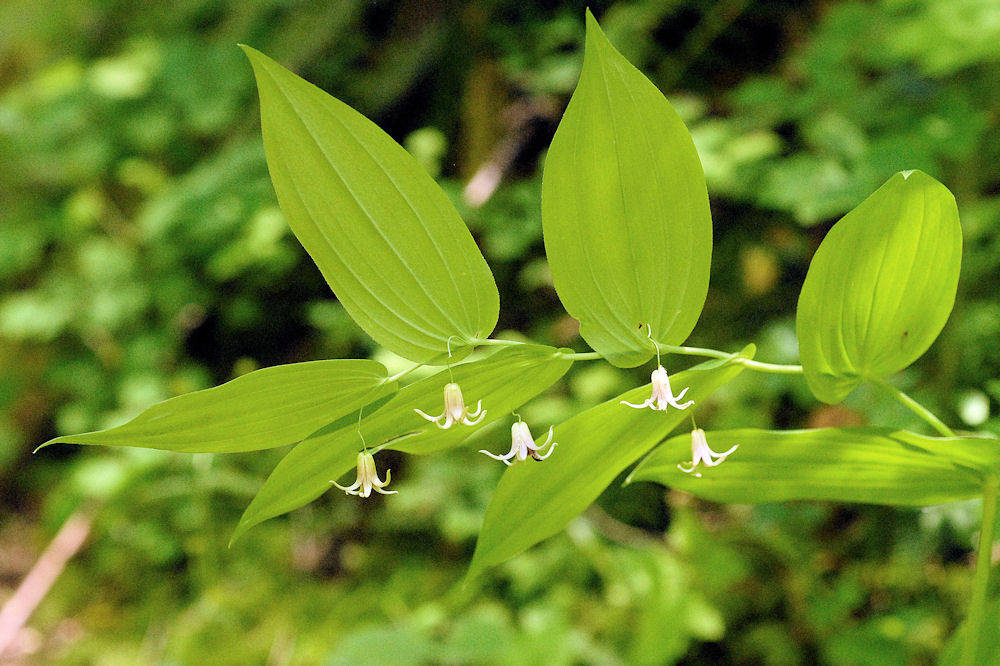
536,500
628,232
262,409
503,382
386,238
881,285
873,465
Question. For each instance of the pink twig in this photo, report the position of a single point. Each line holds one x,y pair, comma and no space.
43,575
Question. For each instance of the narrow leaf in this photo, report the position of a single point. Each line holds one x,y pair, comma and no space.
628,232
259,410
503,382
537,499
881,285
386,238
872,465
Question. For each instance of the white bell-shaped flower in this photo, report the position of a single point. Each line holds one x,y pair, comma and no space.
367,478
522,446
455,410
701,453
662,396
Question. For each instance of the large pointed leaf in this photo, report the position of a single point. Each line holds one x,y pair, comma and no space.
873,465
262,409
628,231
503,382
536,500
386,238
881,285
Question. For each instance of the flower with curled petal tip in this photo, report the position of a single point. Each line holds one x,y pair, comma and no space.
367,478
701,453
455,410
523,445
662,396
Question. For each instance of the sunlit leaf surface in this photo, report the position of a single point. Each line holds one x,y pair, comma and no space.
628,231
503,382
872,465
386,238
881,285
537,499
260,410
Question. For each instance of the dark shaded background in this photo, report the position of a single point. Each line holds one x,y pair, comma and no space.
142,255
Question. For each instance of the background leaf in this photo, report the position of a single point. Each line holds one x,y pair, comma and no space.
872,465
386,238
628,232
503,382
535,501
988,651
260,410
881,285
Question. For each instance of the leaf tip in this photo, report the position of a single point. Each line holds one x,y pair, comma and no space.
58,440
249,51
42,446
242,528
593,27
470,576
256,58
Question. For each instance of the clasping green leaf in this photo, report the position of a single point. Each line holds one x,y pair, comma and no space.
386,238
881,285
628,231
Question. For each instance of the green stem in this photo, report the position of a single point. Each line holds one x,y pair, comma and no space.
695,351
775,368
402,374
495,342
915,407
581,356
981,581
747,363
576,356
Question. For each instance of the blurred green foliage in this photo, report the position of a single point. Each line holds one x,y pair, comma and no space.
142,255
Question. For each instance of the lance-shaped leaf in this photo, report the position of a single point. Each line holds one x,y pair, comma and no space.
872,465
881,285
628,232
537,499
503,382
386,238
259,410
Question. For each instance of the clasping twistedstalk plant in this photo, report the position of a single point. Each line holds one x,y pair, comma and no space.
628,236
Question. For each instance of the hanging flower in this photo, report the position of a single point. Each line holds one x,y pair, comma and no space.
522,445
662,394
455,410
700,453
367,478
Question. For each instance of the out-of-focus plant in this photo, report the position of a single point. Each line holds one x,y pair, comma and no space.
628,239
